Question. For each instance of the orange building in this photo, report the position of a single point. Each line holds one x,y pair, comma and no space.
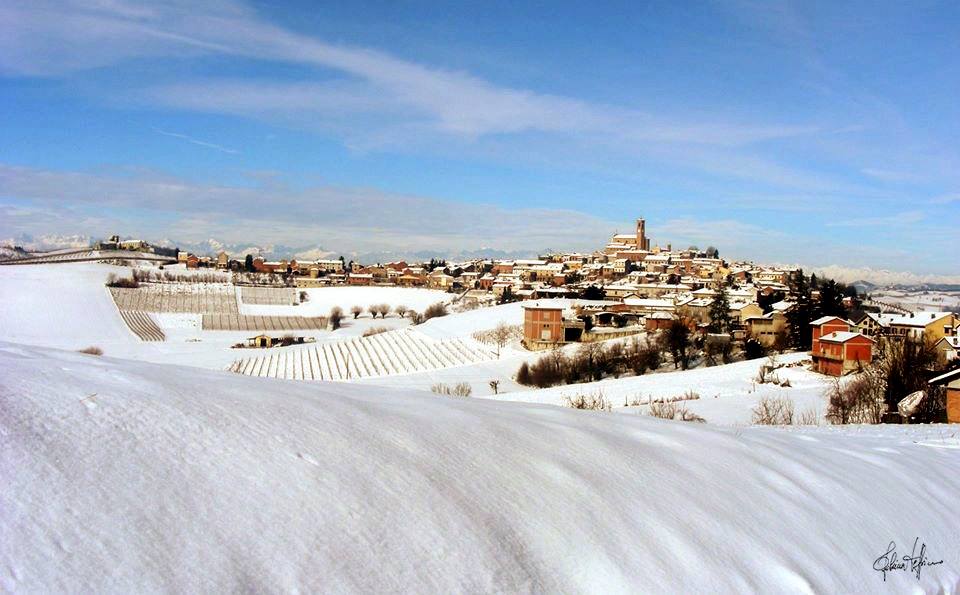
826,325
841,352
544,325
359,279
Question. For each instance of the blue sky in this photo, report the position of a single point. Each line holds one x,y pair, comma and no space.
800,132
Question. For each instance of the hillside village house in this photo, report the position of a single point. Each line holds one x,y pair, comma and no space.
359,279
933,326
836,350
439,280
842,352
948,349
765,328
657,321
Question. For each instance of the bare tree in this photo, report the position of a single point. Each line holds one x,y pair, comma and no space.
501,336
356,311
335,317
401,310
839,404
593,402
435,310
773,411
495,386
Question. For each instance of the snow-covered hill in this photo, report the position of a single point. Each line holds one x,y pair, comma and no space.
122,476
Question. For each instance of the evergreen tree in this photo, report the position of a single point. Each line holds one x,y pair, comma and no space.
593,293
766,301
719,312
248,263
677,341
831,299
802,313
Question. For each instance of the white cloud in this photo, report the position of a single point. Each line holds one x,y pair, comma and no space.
903,218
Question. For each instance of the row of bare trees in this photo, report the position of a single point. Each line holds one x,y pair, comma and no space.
164,276
591,361
500,335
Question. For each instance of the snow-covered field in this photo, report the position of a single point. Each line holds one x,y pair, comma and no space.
920,301
122,476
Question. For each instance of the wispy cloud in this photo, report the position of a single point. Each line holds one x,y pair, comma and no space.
944,199
395,99
888,175
198,142
904,218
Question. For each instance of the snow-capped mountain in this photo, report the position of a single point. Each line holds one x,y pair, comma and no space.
47,241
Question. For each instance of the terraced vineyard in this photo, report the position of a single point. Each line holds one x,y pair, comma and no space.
216,303
401,351
142,325
269,296
177,298
236,322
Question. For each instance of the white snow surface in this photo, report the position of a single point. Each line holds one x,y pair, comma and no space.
123,476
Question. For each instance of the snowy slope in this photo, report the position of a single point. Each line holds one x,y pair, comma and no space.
121,476
728,393
61,305
465,324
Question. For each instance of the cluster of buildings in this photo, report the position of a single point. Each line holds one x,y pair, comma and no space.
115,243
841,346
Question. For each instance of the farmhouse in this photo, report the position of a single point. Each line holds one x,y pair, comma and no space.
544,325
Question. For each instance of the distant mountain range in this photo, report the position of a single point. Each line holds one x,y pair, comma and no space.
885,278
43,243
